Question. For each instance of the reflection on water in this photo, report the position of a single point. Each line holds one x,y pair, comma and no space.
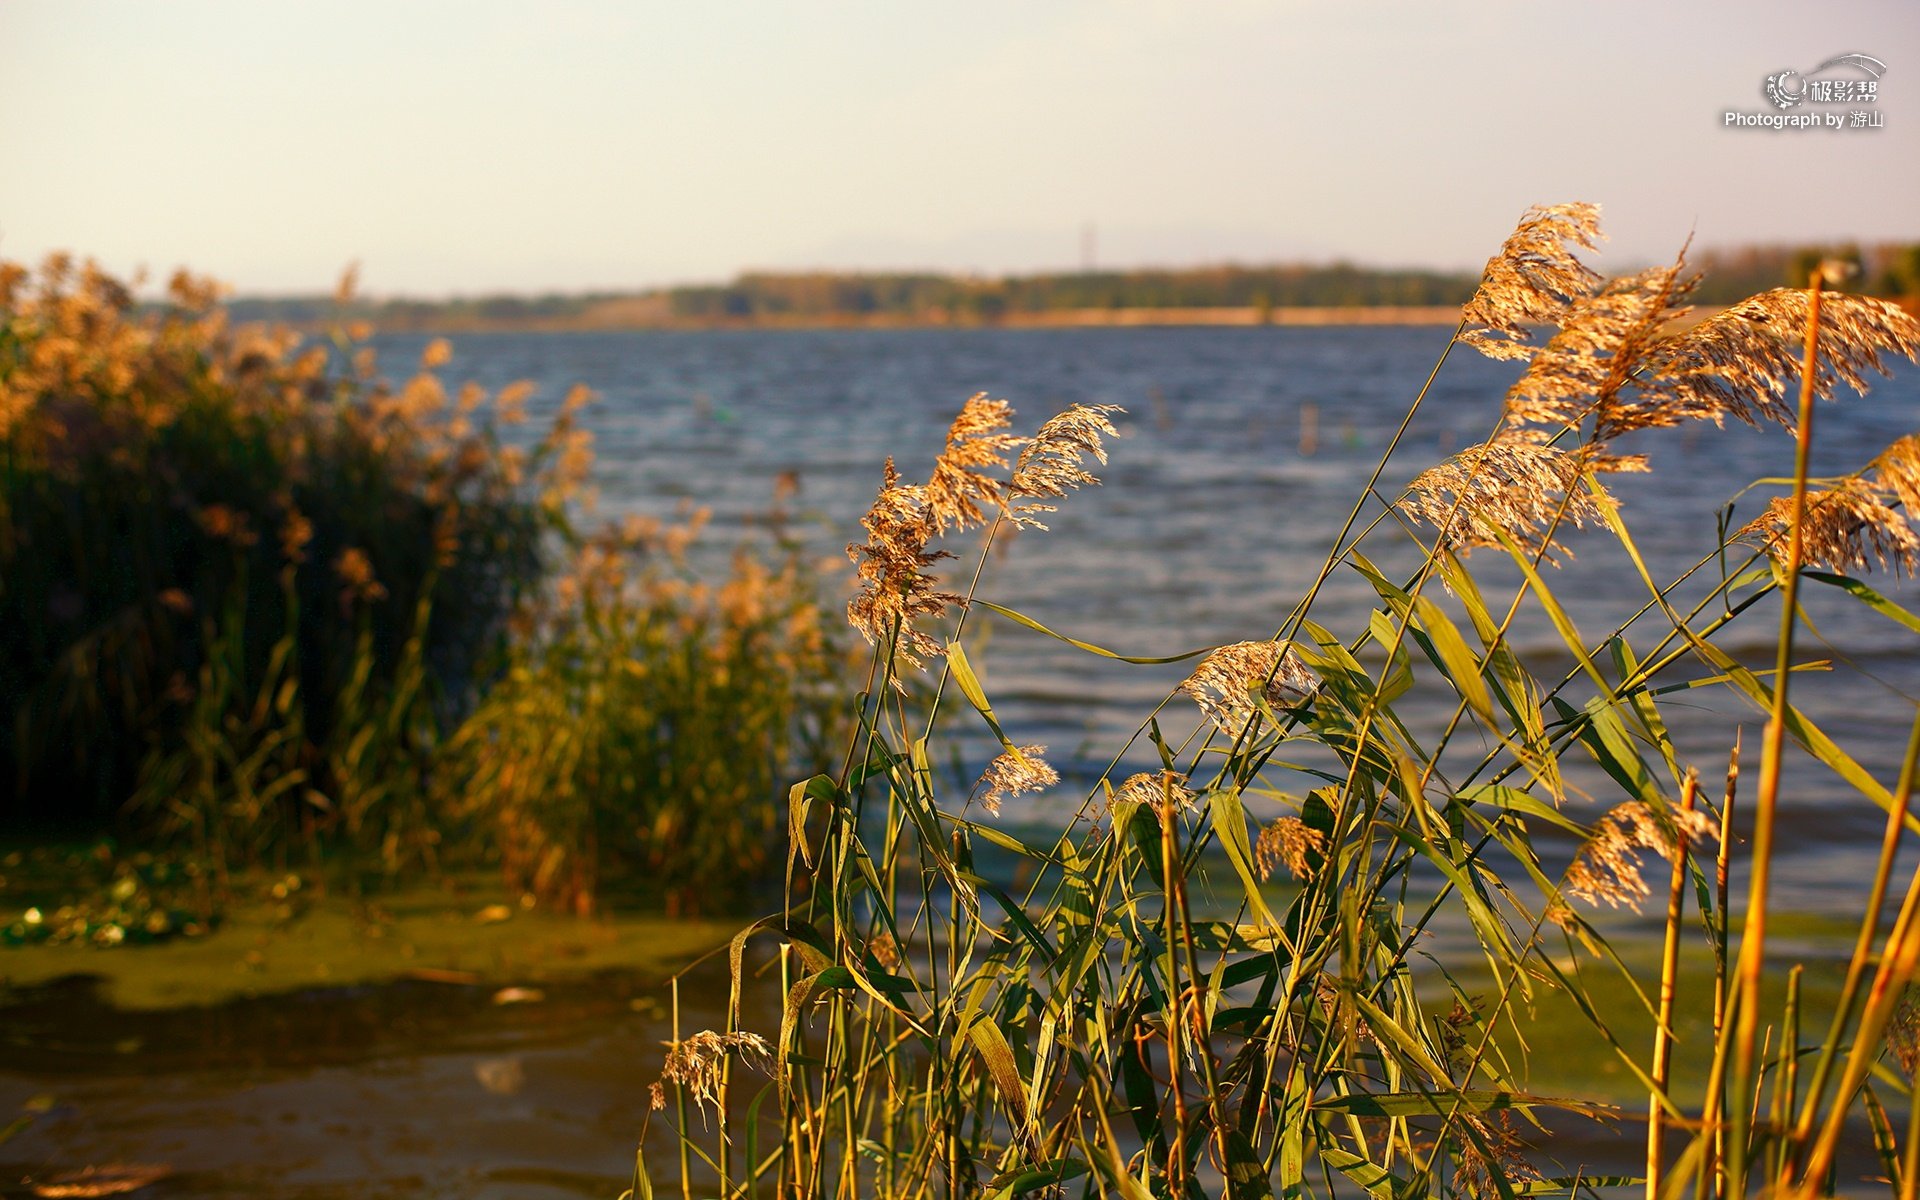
409,1088
1243,450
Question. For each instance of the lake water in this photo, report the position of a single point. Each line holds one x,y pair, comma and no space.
1214,515
1215,511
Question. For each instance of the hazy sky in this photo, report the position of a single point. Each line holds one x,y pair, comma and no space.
456,147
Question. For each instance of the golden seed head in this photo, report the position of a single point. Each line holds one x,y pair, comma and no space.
1899,472
355,571
1513,485
1592,372
1848,528
1606,868
695,1063
1490,1147
1746,360
221,522
295,532
1161,791
1226,681
1291,842
960,486
1532,280
1050,465
349,285
1014,773
895,586
510,406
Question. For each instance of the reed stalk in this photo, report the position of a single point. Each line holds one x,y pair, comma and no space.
1753,932
1669,985
1710,1181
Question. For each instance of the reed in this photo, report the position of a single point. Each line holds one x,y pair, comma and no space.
266,606
1133,1006
639,731
244,571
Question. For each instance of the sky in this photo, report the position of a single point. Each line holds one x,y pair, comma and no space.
458,148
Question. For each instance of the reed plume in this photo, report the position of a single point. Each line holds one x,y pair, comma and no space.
1161,791
1050,465
1593,368
1606,868
960,490
1224,683
1898,472
895,586
695,1063
1847,528
1014,773
1292,843
1514,486
1533,279
1742,361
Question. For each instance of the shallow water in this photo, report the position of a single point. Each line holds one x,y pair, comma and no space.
1214,515
407,1088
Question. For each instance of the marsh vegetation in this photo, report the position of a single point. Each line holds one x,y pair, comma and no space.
1217,978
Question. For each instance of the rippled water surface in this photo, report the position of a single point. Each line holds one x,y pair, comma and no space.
1242,451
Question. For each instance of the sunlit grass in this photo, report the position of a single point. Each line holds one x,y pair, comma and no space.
1148,1014
267,608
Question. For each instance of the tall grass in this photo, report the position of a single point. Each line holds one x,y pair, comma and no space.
638,736
1216,980
229,553
265,604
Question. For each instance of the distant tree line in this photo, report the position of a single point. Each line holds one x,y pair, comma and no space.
1891,270
958,296
404,314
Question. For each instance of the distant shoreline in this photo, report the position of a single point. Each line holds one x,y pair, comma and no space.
617,317
1225,295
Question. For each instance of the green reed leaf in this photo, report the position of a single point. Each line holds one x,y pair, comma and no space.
1247,1177
1089,647
963,674
1867,596
1450,653
1230,826
1439,1103
1032,1178
1377,1181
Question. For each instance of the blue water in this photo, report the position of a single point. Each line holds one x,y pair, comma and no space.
1214,514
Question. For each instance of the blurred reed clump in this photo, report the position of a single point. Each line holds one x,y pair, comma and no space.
639,735
250,589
